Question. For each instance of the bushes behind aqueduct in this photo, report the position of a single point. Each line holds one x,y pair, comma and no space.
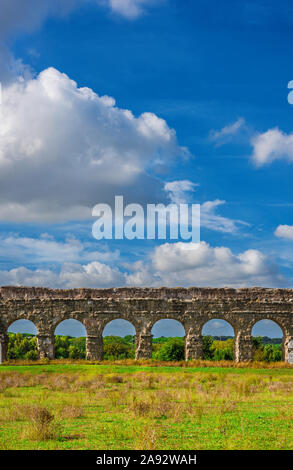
24,346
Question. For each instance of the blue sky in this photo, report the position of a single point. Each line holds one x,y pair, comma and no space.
207,89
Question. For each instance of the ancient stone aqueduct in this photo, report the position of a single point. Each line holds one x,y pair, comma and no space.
143,307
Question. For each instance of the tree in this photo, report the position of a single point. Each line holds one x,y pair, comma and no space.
223,350
172,350
257,342
207,344
31,355
117,350
116,347
22,345
77,348
272,353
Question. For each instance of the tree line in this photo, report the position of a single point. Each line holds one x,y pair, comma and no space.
24,346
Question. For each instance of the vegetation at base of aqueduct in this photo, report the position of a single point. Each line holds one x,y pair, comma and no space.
24,346
146,406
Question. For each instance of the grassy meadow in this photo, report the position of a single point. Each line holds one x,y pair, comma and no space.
146,405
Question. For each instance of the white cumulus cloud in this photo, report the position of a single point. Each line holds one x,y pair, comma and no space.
191,264
177,264
271,145
71,275
63,149
284,231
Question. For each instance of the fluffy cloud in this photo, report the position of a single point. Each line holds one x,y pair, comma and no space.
64,149
79,263
91,275
182,264
272,145
94,274
177,264
268,146
11,67
284,231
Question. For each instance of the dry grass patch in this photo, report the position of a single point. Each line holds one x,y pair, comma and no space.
115,379
42,424
72,412
147,438
145,409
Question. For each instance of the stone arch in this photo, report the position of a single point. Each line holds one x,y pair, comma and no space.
21,316
220,327
71,322
272,324
119,338
79,317
46,335
155,318
144,337
27,326
272,318
95,341
121,323
74,347
233,322
22,326
172,327
166,318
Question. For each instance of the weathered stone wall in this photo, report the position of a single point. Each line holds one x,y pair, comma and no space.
143,307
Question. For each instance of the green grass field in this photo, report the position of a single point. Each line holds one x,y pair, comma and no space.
145,406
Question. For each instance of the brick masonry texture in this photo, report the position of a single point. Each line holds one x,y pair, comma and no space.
143,307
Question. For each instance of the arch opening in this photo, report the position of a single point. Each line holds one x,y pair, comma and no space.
268,341
119,340
26,327
168,343
22,341
218,340
70,340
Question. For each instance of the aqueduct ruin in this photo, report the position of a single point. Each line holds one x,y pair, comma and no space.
143,307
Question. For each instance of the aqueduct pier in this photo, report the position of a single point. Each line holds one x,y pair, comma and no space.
143,307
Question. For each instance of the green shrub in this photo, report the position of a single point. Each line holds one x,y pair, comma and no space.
223,350
24,346
266,352
207,344
20,345
31,355
116,347
171,350
68,347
